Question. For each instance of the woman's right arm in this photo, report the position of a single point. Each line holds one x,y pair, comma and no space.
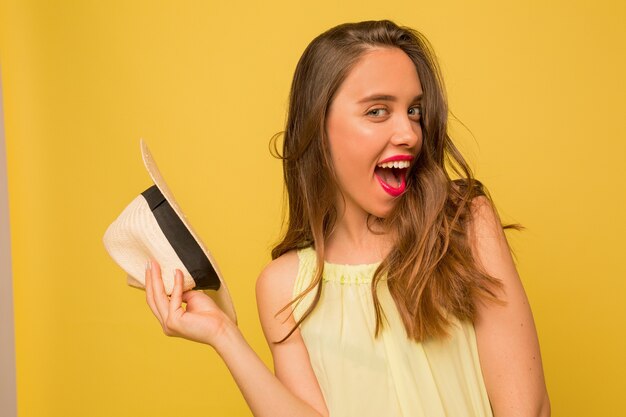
294,392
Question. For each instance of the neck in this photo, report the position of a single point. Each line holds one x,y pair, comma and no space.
355,241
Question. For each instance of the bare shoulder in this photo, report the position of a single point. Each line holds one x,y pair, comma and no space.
485,221
275,282
488,241
274,291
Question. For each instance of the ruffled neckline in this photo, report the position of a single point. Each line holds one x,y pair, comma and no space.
342,273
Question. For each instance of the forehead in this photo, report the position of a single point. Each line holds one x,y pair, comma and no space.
382,71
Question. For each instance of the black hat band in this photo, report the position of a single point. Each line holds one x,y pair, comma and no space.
181,240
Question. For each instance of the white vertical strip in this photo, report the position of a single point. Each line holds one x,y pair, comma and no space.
8,397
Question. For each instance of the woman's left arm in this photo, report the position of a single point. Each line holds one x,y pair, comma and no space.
506,335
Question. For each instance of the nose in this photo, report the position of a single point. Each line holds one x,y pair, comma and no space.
406,132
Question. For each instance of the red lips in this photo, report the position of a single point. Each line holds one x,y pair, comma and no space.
388,175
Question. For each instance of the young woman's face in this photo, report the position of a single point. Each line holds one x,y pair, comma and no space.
374,131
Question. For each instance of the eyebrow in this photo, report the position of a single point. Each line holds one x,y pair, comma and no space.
385,97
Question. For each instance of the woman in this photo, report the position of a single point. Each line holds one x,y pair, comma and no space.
393,291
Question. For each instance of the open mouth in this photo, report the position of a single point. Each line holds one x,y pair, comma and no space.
392,176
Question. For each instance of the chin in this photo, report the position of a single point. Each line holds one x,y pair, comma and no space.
382,212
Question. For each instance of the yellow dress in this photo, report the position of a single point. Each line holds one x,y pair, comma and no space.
388,376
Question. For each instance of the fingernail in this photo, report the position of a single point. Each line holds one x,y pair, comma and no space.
148,265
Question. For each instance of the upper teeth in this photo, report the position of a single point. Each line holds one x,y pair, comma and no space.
394,164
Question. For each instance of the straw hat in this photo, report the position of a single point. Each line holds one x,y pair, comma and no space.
154,226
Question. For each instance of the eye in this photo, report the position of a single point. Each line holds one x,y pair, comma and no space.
415,112
377,112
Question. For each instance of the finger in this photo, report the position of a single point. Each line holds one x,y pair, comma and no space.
198,301
176,298
190,295
149,290
158,292
197,295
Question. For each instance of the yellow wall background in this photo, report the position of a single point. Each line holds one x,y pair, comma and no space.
540,85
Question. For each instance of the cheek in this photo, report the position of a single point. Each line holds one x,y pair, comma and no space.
348,138
338,141
348,154
420,138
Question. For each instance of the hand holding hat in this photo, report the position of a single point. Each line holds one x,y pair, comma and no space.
201,320
153,226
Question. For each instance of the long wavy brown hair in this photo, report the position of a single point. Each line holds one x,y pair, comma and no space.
430,270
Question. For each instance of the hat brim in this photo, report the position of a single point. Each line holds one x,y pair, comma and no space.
154,226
